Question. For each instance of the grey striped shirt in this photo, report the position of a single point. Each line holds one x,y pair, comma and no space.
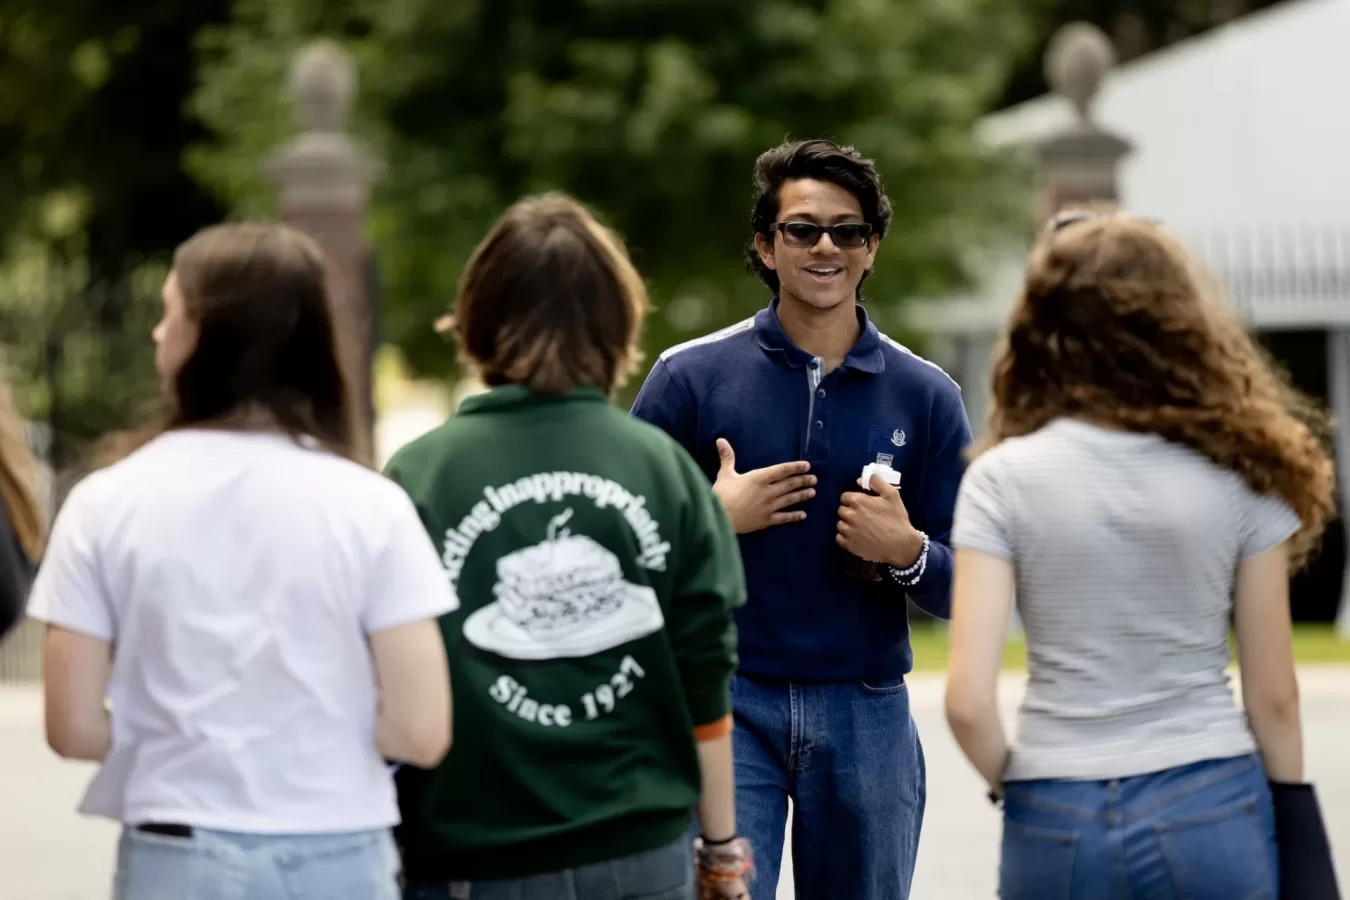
1126,548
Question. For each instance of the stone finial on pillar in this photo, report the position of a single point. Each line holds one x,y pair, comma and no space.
323,179
323,86
1080,163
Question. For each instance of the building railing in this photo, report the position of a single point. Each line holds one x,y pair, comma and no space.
1276,277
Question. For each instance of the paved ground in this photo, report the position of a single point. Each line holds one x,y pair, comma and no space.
49,853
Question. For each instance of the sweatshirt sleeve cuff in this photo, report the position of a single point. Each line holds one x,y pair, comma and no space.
713,730
708,701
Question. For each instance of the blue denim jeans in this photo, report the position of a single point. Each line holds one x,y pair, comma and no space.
1205,831
219,865
666,873
849,757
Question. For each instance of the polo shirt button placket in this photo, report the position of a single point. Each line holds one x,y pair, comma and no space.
820,417
816,420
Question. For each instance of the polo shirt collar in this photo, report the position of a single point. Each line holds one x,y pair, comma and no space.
866,355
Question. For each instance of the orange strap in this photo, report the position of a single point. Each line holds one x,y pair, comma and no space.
713,730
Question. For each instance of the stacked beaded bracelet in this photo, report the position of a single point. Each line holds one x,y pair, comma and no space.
721,863
910,576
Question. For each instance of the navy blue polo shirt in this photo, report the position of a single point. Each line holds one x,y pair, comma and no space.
806,620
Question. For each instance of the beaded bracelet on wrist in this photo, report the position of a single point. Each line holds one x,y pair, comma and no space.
908,577
723,862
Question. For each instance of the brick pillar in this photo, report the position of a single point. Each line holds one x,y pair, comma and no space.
323,179
1081,163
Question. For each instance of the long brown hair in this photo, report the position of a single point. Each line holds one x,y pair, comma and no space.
550,300
19,479
1116,325
266,352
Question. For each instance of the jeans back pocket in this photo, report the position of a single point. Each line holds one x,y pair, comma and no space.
344,867
1224,853
665,873
1037,863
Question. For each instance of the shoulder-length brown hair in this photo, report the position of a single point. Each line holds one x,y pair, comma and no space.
549,300
19,479
1115,325
266,352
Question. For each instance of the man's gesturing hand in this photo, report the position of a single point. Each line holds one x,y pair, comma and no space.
756,499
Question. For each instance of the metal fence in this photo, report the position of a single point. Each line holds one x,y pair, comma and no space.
81,360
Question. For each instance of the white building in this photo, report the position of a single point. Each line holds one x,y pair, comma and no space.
1241,148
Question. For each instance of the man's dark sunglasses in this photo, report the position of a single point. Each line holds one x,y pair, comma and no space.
845,235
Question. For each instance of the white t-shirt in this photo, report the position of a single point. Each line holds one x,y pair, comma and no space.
237,576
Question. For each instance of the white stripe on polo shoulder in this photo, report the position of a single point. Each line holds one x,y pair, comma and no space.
729,331
903,349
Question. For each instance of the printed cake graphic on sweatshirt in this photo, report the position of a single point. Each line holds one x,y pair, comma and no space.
563,597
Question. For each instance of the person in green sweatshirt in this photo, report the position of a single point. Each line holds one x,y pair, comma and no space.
593,648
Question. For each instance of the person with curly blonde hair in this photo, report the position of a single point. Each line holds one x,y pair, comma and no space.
1147,475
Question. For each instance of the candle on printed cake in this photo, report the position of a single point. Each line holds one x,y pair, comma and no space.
855,566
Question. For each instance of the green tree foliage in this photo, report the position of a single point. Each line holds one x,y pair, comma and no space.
76,347
91,100
651,111
93,196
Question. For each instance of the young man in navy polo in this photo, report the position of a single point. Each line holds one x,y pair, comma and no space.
782,412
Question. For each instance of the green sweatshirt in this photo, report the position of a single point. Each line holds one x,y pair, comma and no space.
596,574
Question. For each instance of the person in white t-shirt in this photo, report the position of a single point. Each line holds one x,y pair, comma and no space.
242,616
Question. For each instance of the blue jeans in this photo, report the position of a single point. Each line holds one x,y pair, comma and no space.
849,757
1205,831
666,873
220,865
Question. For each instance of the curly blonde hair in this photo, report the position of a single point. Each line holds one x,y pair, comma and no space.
1116,325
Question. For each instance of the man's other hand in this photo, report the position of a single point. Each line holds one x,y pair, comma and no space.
878,528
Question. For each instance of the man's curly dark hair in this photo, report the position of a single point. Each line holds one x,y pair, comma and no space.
819,160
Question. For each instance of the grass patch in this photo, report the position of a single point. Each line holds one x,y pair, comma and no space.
1313,645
